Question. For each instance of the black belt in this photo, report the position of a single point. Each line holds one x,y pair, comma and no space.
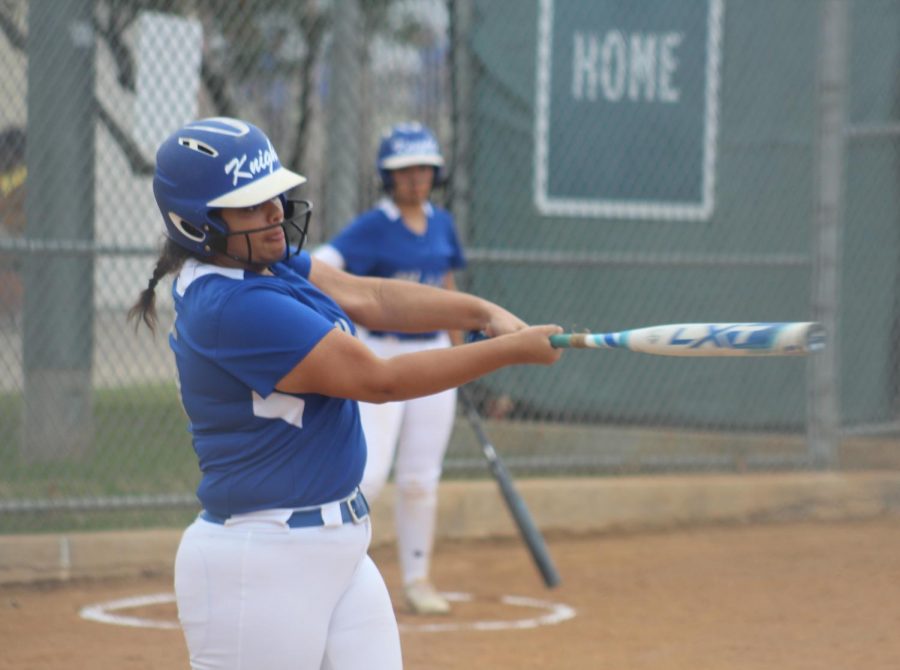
354,509
405,336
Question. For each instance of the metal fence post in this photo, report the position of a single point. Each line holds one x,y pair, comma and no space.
824,369
343,117
59,290
461,100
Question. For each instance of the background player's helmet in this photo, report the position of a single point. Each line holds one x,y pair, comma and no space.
408,144
210,164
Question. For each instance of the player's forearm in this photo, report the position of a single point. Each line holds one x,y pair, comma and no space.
427,372
389,304
341,366
410,307
457,337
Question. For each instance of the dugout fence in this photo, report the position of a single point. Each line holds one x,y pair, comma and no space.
613,165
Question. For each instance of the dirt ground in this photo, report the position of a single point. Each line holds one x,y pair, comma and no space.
792,596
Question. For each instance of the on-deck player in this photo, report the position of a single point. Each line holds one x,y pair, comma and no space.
406,237
274,571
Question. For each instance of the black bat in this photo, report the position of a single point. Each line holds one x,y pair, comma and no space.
514,502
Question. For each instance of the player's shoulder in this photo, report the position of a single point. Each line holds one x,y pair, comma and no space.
214,286
441,219
260,298
439,213
434,208
196,277
299,263
363,226
376,215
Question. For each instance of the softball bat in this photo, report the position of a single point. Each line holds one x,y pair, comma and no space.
791,338
534,541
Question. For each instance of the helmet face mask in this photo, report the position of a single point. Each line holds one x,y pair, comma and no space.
211,164
405,145
295,225
297,214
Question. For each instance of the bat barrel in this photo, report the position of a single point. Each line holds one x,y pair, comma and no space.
794,338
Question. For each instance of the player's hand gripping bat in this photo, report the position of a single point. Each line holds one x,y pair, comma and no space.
530,533
791,338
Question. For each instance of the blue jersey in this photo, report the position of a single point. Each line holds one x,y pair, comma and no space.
378,244
236,334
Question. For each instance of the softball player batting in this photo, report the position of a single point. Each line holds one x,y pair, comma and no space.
274,572
406,237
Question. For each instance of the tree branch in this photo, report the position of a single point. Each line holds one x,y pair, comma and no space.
12,33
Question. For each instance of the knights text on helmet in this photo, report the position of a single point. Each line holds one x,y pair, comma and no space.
265,161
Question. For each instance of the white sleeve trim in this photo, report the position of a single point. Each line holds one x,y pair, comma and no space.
279,406
330,256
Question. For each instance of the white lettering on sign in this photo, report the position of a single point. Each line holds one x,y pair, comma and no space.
641,66
668,63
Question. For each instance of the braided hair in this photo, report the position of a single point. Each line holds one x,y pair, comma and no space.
170,260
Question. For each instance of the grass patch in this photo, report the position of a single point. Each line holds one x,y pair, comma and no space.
141,446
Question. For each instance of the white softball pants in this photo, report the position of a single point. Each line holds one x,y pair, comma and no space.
417,432
257,594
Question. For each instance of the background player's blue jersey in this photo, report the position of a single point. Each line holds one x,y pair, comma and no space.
236,334
378,244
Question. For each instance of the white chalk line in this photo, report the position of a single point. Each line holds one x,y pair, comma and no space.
104,612
554,613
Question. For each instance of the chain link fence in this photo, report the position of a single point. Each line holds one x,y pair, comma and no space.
613,165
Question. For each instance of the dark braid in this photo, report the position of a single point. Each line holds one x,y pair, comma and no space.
170,260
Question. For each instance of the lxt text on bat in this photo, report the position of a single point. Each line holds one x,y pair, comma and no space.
729,336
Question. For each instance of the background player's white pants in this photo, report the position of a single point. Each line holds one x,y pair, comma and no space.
261,595
418,431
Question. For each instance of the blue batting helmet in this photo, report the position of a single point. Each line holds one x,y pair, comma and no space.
210,164
405,145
